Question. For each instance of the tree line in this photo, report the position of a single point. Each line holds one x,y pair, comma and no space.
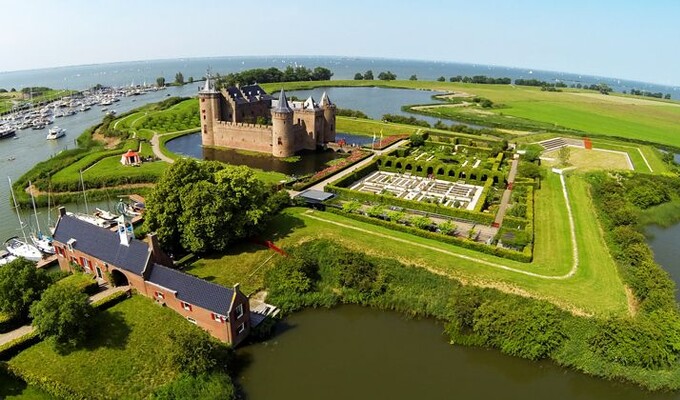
274,75
481,79
646,93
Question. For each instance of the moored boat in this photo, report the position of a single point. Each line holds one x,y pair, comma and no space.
56,133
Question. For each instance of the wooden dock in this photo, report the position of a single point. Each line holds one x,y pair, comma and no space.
47,262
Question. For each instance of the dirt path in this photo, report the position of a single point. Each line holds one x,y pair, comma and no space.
505,200
156,147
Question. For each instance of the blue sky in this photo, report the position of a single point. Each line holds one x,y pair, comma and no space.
627,39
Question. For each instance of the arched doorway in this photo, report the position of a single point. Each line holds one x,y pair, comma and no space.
118,278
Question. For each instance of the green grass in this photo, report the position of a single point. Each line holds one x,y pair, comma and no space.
582,110
111,167
666,214
125,358
595,288
368,127
12,388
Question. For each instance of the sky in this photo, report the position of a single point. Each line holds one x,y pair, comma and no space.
625,39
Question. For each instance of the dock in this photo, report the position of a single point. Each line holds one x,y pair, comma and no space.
47,262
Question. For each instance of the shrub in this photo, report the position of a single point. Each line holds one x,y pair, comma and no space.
195,352
214,386
63,314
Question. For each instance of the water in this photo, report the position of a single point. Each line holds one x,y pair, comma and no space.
31,147
375,101
138,72
352,352
665,243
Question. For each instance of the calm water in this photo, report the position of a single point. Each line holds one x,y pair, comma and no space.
665,242
125,73
31,147
352,352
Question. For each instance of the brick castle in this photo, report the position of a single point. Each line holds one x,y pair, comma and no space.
248,118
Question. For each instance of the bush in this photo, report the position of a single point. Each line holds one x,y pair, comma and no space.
195,352
214,386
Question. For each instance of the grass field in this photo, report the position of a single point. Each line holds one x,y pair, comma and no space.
125,358
614,115
594,288
588,160
15,389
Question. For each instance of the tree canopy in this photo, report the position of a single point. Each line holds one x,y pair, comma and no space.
179,78
203,207
20,285
63,314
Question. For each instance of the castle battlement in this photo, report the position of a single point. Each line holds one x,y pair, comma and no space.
227,119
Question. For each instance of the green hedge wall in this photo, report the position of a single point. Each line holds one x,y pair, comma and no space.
456,241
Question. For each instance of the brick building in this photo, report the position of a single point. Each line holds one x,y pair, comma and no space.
117,256
240,117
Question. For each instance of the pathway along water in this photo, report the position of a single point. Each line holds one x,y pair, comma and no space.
351,352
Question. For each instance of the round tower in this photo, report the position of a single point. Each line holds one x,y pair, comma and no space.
282,128
329,118
209,104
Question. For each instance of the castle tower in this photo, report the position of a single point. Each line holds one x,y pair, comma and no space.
209,104
283,140
329,118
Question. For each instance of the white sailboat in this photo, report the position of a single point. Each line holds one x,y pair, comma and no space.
6,257
87,217
16,246
42,242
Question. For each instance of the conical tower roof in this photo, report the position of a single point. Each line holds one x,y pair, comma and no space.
325,100
208,87
282,106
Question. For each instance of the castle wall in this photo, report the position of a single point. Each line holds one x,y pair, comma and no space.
243,136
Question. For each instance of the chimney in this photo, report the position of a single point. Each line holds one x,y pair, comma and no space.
62,211
157,254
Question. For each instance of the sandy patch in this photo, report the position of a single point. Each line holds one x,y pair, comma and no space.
431,106
454,95
588,160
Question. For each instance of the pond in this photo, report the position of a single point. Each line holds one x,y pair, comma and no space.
351,352
308,163
665,243
376,102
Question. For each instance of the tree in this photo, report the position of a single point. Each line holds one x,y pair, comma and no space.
160,81
529,170
203,207
563,155
63,314
386,76
357,272
416,139
191,79
441,79
413,78
179,78
358,76
321,74
195,352
447,227
667,96
368,76
21,284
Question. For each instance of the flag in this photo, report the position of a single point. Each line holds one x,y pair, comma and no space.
381,135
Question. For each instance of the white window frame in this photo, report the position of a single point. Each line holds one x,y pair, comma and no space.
70,244
193,321
186,306
239,311
241,328
160,295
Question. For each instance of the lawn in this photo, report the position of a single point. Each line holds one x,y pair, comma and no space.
587,111
111,167
368,127
594,288
588,160
125,358
15,389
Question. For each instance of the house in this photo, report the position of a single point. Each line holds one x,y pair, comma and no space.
130,158
118,258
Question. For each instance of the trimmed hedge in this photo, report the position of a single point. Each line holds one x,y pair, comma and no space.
53,388
456,241
12,348
111,300
83,282
434,208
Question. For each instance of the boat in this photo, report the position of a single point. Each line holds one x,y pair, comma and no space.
90,218
103,214
56,133
16,246
41,241
111,113
7,132
6,257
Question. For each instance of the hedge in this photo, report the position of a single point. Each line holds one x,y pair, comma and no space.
111,300
13,347
8,322
456,241
54,388
83,282
448,172
355,176
482,198
434,208
299,186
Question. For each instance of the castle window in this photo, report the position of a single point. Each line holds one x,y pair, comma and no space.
298,121
202,100
204,116
331,127
280,142
205,128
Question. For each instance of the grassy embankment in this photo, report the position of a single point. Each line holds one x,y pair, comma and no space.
126,357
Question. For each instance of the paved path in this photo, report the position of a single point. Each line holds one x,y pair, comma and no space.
321,185
155,146
505,200
27,329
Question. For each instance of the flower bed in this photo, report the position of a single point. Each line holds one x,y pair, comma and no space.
385,142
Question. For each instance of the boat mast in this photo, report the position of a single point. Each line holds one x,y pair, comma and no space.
87,210
49,210
16,208
35,211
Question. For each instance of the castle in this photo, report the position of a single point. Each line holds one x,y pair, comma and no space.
239,118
